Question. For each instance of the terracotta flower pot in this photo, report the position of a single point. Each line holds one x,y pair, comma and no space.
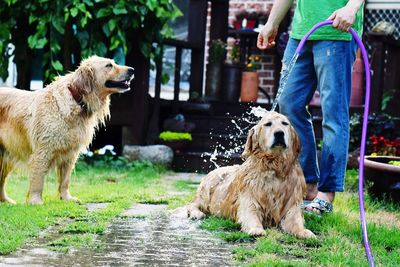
249,87
384,177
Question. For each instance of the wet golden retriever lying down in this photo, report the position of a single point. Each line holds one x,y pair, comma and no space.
49,127
266,190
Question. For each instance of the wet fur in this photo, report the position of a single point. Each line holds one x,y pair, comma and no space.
48,128
266,190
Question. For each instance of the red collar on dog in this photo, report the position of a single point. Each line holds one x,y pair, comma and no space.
78,98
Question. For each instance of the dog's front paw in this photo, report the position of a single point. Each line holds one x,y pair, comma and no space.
68,197
256,231
35,200
196,215
7,200
306,234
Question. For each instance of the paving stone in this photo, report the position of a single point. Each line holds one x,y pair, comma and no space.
159,239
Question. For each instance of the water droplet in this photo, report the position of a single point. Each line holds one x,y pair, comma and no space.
284,78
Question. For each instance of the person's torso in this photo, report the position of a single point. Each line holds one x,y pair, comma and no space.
310,12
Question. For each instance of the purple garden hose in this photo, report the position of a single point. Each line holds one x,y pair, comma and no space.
364,130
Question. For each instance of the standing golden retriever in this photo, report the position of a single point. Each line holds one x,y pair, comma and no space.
266,190
50,127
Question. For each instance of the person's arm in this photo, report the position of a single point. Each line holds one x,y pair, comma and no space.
267,35
344,17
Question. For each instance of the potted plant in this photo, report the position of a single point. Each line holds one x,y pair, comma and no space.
381,170
250,80
175,140
216,58
383,174
252,20
232,75
240,16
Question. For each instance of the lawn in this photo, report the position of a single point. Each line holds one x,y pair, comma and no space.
119,186
339,241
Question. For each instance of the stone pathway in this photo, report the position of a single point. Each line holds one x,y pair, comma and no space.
146,235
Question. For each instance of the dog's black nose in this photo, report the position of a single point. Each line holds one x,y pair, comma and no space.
131,71
279,135
279,139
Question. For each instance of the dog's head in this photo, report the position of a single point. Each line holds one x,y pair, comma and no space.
272,136
102,74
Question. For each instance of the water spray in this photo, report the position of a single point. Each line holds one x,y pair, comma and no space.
284,78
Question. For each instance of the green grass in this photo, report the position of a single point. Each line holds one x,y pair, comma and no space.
225,229
190,186
338,242
119,186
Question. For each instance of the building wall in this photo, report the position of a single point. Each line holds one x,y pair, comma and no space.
266,72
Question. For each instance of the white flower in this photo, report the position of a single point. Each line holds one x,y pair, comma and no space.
110,148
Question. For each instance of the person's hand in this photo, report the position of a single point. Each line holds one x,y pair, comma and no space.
344,17
266,37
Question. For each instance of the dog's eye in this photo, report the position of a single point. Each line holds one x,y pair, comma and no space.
268,124
109,65
285,123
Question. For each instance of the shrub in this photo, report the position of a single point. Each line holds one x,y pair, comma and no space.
380,124
217,51
174,136
77,29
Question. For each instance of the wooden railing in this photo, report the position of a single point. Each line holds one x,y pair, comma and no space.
179,46
385,68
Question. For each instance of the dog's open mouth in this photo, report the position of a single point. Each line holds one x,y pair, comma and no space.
118,84
279,143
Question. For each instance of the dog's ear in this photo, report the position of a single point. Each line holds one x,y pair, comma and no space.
296,144
84,80
251,143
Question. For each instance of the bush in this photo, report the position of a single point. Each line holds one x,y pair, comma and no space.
65,29
174,136
380,124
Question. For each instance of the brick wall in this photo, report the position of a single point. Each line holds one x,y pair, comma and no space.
266,72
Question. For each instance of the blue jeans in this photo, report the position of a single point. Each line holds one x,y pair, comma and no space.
325,65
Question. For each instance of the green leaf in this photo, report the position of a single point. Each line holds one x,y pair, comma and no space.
54,46
83,37
88,2
58,24
142,10
83,22
115,42
103,12
32,18
81,7
101,49
57,65
145,48
66,16
106,30
164,78
152,4
41,43
74,12
112,23
36,43
119,10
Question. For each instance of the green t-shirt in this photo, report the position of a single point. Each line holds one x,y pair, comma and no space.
310,12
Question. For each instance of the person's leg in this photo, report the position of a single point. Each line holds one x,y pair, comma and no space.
333,62
299,89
